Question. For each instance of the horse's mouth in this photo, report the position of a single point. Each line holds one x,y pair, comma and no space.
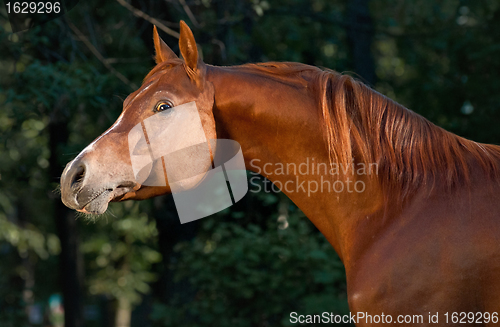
98,203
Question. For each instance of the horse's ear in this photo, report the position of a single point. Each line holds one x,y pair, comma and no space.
163,52
188,48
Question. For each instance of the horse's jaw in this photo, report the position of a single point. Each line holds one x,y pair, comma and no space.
141,192
95,200
97,205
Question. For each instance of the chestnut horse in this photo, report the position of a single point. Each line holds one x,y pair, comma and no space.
421,238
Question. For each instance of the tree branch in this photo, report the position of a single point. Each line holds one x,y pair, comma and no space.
150,19
99,56
189,13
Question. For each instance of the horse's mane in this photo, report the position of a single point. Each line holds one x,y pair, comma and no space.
363,125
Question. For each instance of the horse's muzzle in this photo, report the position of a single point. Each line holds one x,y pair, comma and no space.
87,191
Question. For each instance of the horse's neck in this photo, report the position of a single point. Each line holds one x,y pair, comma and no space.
279,127
278,124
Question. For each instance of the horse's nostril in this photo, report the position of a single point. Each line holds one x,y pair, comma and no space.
72,181
78,177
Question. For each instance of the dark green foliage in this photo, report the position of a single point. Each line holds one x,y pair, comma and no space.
254,276
237,268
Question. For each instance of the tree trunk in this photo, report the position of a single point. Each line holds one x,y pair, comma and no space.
170,232
360,37
71,262
123,313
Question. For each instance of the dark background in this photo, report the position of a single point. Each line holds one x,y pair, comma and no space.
62,84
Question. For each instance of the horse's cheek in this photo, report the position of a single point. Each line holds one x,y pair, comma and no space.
208,123
209,126
205,105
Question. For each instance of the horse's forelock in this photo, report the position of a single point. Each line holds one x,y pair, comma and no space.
169,64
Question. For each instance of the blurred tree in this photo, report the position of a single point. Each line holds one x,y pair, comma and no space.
57,95
62,85
120,259
441,61
360,36
243,274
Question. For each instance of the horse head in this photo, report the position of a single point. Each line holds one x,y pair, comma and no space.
103,171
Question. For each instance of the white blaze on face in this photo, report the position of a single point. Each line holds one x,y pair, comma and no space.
89,148
177,135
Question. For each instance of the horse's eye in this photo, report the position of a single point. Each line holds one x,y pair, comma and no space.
162,106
